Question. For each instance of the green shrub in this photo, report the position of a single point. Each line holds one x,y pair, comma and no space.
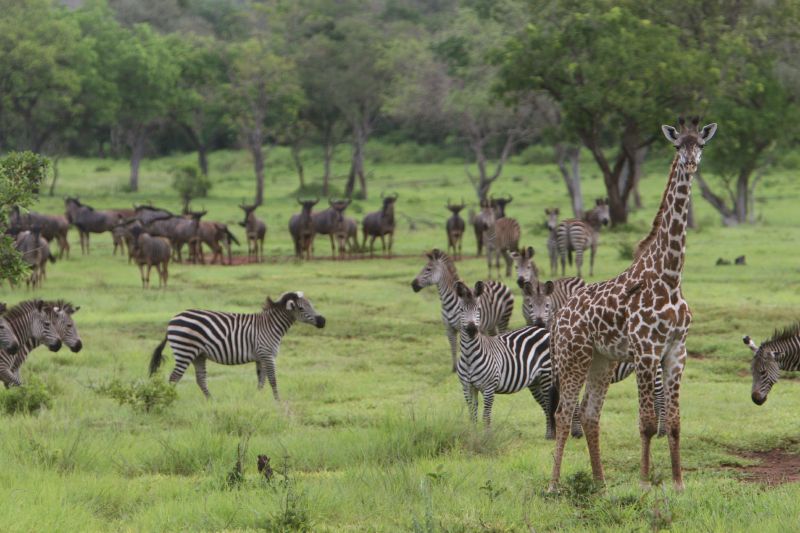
151,395
190,183
26,399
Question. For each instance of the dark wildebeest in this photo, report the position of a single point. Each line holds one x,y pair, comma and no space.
35,253
179,230
380,223
256,230
87,220
351,234
52,227
455,229
331,222
215,235
301,227
150,251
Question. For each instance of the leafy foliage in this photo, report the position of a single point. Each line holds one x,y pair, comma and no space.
190,183
27,399
147,396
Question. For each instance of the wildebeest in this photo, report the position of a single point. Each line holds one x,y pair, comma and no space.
256,230
301,227
87,220
35,252
331,222
351,233
482,220
215,235
151,251
51,226
379,224
455,228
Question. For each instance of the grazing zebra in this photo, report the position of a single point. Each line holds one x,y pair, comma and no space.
525,265
234,338
60,314
574,235
501,238
552,246
31,325
780,352
502,364
497,301
540,301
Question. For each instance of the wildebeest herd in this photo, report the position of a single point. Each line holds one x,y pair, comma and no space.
577,334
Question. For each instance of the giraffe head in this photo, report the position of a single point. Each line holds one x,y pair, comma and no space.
689,141
470,307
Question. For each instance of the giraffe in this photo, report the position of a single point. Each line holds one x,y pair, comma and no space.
638,316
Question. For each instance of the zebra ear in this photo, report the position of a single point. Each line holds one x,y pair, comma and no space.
478,289
3,307
290,305
461,289
527,288
548,288
531,251
71,310
39,304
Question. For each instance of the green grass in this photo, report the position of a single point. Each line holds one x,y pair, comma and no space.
372,434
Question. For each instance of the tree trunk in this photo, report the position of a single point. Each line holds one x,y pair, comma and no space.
202,158
326,176
137,153
571,175
298,164
717,202
742,196
357,165
258,166
55,158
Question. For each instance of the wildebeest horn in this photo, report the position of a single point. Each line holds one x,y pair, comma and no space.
299,201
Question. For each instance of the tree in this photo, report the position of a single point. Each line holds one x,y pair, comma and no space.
265,96
190,183
615,75
21,175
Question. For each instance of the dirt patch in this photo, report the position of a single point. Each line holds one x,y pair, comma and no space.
774,467
696,355
238,260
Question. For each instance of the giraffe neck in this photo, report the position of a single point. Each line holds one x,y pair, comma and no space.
665,253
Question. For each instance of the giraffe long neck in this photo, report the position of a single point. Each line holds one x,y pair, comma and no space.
671,237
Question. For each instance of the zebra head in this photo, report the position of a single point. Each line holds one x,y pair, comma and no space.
433,271
552,218
526,268
689,141
601,211
296,304
8,340
42,329
60,315
539,302
765,369
470,307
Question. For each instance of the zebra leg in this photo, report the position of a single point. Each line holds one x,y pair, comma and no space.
451,336
579,260
576,430
181,364
267,370
541,397
488,401
660,407
507,257
200,374
591,258
673,365
471,396
8,377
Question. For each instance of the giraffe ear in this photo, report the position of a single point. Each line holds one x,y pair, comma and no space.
708,131
670,133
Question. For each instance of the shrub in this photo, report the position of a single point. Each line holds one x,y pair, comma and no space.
190,183
151,395
26,399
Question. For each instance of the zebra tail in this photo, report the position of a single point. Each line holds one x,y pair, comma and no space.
569,256
552,404
158,356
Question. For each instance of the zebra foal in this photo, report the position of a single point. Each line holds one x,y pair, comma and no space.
31,326
233,338
497,300
780,352
573,235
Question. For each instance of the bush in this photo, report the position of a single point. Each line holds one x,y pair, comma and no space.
146,396
190,183
26,399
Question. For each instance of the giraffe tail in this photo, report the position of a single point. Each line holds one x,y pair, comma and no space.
157,357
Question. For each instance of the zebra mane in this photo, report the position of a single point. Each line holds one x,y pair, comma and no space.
285,297
446,260
784,334
61,304
21,309
644,243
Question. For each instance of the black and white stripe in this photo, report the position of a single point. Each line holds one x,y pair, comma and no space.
577,236
497,300
541,301
780,352
234,338
30,324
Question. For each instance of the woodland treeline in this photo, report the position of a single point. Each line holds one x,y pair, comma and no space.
481,79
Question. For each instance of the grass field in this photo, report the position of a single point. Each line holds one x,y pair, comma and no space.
372,433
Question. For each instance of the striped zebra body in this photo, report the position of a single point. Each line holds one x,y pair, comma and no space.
30,325
60,315
780,352
541,301
501,238
234,338
497,301
577,236
552,245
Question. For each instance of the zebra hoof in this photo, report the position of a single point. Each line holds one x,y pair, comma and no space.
576,433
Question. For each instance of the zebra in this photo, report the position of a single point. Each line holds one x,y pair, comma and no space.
780,352
234,338
501,364
552,246
501,237
540,301
497,300
60,314
525,265
31,325
578,235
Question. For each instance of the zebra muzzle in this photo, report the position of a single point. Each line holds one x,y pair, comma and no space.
56,346
758,399
472,329
320,322
416,286
75,348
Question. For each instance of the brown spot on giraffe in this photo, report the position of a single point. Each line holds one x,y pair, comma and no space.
648,328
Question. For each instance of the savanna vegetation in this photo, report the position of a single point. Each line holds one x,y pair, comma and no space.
372,433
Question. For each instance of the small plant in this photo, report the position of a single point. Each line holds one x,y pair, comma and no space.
491,491
580,488
150,395
439,476
235,477
626,250
26,399
293,514
659,514
190,183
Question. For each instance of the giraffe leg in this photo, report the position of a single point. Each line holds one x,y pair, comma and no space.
451,337
673,365
200,374
648,421
596,388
